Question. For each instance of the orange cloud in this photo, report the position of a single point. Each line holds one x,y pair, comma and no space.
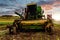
47,7
56,4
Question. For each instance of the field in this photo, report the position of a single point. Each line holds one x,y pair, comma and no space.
26,36
4,21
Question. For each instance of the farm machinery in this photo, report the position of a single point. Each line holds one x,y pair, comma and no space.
33,20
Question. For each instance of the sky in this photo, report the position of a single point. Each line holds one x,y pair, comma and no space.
49,6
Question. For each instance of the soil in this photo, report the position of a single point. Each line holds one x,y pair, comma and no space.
33,36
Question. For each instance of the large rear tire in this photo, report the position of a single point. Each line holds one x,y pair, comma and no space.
49,28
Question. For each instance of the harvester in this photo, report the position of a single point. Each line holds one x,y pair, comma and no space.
33,19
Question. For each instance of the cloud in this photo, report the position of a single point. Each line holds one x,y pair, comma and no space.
7,2
11,5
56,4
5,9
47,7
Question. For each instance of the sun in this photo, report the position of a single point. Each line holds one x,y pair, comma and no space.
56,17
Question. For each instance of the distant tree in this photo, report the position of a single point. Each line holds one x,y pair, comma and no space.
7,16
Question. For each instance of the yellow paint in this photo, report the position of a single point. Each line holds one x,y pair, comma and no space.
29,22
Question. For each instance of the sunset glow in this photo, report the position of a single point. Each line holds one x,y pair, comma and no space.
56,17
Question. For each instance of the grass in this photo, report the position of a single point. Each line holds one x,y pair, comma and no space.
7,20
3,32
57,25
4,21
